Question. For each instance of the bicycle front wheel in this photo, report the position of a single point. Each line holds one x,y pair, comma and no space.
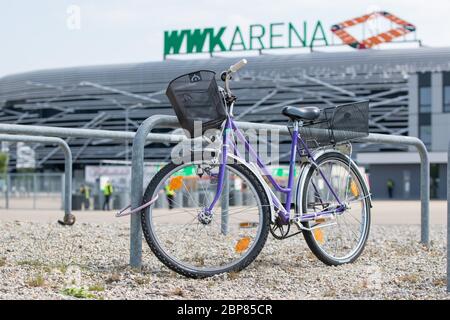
341,238
196,247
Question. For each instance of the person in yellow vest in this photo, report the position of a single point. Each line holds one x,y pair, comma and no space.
390,188
86,193
107,192
170,194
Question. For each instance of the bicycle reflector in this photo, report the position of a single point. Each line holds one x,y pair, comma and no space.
318,235
354,189
242,244
176,183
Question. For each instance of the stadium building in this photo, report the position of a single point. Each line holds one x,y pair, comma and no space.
409,90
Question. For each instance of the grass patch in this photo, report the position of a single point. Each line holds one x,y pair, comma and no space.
46,267
96,287
79,293
31,263
37,281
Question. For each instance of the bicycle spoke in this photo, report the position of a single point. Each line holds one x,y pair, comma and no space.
205,245
344,237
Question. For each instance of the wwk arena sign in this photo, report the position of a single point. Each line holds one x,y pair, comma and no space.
256,37
282,35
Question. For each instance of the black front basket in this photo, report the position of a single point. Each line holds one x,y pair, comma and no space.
197,102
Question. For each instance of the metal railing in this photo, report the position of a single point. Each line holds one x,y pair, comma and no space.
160,120
45,134
68,218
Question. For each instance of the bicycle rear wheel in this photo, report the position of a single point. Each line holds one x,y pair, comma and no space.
340,239
197,248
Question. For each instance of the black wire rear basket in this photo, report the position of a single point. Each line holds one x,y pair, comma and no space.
197,102
337,124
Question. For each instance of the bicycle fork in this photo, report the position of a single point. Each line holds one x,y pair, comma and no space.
206,214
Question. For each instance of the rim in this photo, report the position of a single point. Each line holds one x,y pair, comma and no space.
216,223
348,225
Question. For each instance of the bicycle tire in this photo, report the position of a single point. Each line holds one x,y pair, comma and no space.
193,273
309,236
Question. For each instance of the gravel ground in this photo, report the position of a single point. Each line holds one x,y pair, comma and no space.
47,261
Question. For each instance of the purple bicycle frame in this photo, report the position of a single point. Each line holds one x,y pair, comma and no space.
283,211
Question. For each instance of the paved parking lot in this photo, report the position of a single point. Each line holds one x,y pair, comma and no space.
383,212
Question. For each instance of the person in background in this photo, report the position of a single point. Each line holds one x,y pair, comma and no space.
107,192
86,193
170,194
390,188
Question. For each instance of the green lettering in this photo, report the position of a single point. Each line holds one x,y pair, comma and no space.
216,40
258,37
237,33
275,35
322,38
196,40
173,41
301,39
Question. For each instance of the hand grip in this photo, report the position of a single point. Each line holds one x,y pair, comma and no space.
239,65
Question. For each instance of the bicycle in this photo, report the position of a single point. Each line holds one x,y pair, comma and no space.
211,231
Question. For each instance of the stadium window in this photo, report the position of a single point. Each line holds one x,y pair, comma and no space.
425,100
425,134
447,98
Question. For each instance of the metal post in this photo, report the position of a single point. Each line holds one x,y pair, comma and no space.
34,190
8,185
62,192
424,176
225,203
448,218
137,181
68,217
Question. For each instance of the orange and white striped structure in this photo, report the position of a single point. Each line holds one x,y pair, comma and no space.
403,27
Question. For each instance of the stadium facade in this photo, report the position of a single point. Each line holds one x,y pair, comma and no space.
409,90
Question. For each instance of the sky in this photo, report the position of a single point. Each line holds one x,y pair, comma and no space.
60,33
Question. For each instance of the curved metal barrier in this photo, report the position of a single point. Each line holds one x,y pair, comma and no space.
45,134
69,219
137,172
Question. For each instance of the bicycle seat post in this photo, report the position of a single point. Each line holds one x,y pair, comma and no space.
296,125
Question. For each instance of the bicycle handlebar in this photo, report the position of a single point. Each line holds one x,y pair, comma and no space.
233,69
237,66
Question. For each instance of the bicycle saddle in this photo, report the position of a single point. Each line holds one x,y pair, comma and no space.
301,113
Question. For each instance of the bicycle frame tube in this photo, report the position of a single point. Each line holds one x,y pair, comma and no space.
284,211
223,163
